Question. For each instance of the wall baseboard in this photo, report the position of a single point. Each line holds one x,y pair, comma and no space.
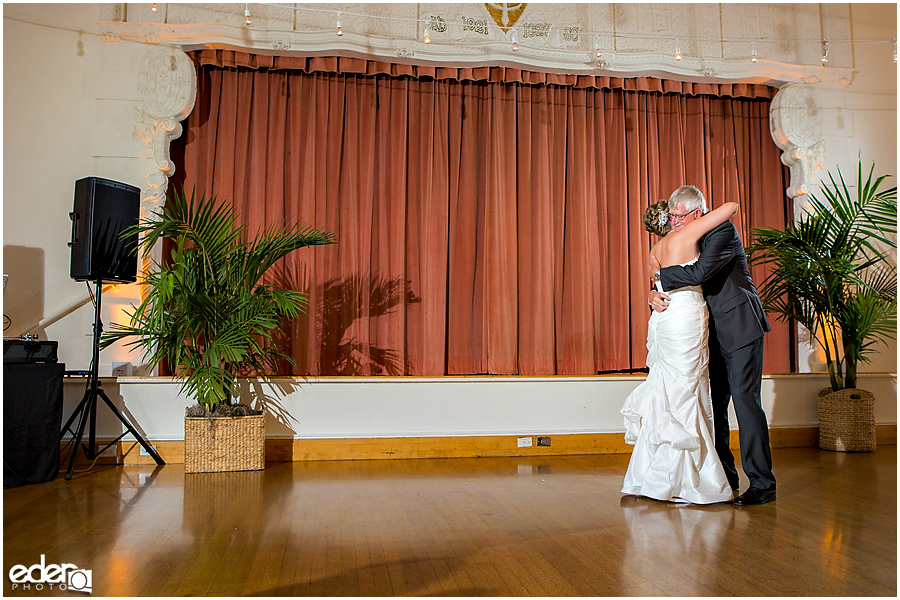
289,450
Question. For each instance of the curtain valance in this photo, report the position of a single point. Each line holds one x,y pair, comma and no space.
361,66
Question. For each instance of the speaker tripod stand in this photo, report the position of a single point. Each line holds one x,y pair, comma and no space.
86,412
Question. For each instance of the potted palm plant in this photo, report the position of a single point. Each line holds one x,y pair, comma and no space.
831,272
209,316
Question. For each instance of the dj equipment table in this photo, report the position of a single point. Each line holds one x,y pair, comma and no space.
32,417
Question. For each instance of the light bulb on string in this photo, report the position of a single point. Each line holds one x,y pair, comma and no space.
754,56
427,27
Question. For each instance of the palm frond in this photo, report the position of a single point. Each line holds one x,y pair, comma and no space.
205,310
831,267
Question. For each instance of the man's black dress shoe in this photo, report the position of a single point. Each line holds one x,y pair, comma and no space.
755,496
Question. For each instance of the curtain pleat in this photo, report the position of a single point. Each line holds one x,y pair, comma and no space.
488,219
359,66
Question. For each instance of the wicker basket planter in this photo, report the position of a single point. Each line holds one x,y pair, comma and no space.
214,444
847,420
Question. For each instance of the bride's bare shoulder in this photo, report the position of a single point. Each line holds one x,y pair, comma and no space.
678,250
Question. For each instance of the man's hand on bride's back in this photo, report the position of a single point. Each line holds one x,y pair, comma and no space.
658,301
654,267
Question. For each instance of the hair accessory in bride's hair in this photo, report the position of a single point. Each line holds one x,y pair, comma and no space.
656,218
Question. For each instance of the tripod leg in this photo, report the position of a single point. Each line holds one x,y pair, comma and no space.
75,413
88,406
130,428
87,402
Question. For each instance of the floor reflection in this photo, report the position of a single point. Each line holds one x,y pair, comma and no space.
688,526
551,526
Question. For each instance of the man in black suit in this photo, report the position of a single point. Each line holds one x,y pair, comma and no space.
737,324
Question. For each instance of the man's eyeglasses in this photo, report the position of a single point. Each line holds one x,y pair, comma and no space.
676,217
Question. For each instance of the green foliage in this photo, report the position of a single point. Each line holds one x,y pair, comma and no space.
831,271
205,311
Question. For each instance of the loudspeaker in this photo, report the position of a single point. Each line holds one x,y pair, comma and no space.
103,210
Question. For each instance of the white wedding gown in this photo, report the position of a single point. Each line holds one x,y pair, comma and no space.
668,418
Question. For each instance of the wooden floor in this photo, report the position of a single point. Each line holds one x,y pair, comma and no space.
552,526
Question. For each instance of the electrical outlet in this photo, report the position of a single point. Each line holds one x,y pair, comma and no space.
543,440
524,442
145,453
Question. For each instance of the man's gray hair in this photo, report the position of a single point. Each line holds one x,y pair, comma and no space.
690,197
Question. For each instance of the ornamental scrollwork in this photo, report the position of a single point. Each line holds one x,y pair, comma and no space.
795,121
167,89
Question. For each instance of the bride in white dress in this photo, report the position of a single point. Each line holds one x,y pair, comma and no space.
668,418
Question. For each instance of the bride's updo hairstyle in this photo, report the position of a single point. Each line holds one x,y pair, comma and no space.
656,218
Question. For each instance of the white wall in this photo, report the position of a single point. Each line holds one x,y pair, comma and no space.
861,123
69,102
364,407
68,113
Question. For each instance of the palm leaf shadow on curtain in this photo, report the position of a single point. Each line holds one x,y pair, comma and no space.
341,303
509,201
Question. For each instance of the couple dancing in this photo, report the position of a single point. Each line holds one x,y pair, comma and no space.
705,347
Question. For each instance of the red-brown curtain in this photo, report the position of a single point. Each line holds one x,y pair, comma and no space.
488,220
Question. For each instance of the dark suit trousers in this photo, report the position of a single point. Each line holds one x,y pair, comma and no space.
737,375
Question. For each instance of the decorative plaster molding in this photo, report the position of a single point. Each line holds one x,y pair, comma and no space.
111,12
795,120
635,39
167,88
506,15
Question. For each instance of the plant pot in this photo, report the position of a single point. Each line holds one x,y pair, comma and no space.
215,444
847,420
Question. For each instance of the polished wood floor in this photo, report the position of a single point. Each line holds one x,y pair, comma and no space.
553,526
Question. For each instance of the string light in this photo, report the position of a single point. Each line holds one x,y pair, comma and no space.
515,43
427,27
754,57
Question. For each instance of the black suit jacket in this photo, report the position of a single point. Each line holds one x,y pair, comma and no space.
734,305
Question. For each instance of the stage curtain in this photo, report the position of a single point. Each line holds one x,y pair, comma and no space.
488,219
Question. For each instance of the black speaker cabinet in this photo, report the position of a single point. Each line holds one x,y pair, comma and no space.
103,210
